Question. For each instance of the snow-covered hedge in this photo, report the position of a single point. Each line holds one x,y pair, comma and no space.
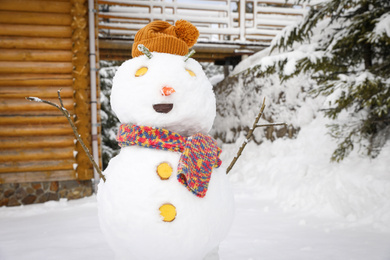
239,98
298,173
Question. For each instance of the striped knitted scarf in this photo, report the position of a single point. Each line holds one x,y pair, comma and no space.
199,153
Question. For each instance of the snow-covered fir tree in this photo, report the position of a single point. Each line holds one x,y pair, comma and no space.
351,65
110,122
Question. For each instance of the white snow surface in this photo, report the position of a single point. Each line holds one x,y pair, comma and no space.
262,229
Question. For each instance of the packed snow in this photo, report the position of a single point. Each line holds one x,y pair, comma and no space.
130,199
264,227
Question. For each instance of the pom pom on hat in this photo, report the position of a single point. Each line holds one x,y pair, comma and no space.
161,36
187,32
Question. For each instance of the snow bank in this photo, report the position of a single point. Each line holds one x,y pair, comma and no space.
298,175
239,100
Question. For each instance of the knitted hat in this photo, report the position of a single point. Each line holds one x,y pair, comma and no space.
160,36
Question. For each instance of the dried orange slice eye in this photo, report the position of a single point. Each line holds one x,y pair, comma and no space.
191,73
140,72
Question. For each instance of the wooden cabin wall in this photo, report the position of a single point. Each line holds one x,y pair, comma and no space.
43,48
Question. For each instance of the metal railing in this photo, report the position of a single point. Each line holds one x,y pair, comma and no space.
256,21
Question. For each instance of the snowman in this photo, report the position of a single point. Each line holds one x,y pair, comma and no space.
165,195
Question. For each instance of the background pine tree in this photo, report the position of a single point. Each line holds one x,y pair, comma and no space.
110,123
351,65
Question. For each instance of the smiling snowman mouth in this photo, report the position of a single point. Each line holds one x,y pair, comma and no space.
163,107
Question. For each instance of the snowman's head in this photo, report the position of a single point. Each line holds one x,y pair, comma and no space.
165,91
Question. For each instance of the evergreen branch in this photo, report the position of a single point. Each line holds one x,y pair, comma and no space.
248,136
272,124
66,113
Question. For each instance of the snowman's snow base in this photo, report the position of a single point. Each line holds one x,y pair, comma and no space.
129,203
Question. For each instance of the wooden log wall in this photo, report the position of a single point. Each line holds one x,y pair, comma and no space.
43,48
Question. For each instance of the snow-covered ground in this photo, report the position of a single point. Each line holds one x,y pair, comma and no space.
261,230
291,203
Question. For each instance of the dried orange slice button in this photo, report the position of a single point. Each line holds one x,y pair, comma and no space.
164,170
168,212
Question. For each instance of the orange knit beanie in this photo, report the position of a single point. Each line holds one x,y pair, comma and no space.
160,36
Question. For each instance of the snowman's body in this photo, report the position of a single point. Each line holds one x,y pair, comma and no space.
129,201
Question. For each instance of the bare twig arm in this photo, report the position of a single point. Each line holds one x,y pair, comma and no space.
248,136
65,112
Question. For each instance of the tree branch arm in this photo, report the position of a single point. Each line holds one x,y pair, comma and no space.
248,136
65,112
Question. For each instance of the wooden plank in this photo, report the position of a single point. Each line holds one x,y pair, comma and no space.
26,154
35,130
36,6
36,141
53,0
20,105
281,13
120,26
33,120
168,5
22,79
35,55
205,51
82,89
121,30
260,39
137,18
35,67
35,30
116,55
32,113
46,165
272,3
42,43
35,18
37,176
282,3
115,44
35,91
